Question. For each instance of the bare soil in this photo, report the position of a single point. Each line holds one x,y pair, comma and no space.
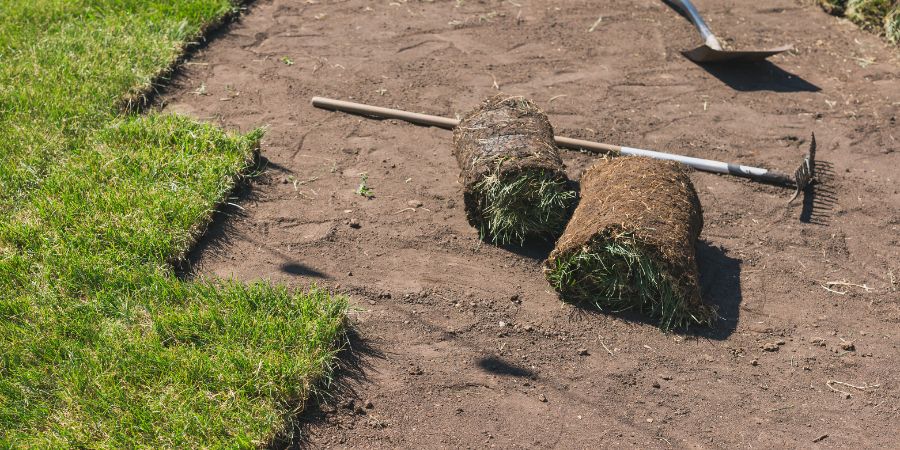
462,344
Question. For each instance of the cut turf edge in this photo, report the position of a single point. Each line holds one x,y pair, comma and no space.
139,97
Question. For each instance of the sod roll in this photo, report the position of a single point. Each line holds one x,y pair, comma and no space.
514,182
630,244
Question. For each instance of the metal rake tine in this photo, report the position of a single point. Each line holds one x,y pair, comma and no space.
806,173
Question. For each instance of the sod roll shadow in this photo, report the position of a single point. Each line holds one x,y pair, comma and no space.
514,182
631,243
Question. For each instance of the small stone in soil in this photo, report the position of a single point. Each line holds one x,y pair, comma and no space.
542,398
369,404
583,352
354,223
414,203
754,363
656,385
770,347
848,346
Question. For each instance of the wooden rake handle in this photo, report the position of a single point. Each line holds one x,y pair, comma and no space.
706,165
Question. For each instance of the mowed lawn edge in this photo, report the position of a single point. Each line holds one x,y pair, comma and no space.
103,346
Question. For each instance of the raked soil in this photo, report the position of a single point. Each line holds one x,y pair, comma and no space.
459,344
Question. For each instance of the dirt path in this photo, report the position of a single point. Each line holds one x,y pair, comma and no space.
462,344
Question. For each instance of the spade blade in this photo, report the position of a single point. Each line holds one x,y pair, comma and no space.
705,54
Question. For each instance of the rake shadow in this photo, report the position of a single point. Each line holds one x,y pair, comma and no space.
820,198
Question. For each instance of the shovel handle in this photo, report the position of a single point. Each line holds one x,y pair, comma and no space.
697,19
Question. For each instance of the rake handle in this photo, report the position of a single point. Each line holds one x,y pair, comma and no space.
706,165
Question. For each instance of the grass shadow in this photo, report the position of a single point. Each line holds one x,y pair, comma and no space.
218,234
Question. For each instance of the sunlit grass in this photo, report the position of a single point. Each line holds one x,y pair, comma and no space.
102,345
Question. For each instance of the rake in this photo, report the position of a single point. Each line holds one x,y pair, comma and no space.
804,175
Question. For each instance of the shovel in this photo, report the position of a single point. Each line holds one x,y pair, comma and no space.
711,51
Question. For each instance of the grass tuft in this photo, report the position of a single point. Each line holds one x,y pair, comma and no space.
868,14
615,274
522,205
892,24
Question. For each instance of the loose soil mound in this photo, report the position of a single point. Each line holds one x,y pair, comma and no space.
515,186
631,242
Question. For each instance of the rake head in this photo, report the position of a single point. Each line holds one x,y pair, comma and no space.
806,173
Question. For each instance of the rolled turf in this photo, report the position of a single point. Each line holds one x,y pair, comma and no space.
631,243
515,187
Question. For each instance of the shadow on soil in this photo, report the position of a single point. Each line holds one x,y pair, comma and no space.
221,231
497,366
820,198
752,76
720,286
337,393
758,76
538,251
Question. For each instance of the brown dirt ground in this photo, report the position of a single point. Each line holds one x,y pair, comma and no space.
460,344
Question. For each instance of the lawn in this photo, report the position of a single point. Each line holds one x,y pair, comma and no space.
103,346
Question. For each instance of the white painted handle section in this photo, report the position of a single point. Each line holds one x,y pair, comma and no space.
706,165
